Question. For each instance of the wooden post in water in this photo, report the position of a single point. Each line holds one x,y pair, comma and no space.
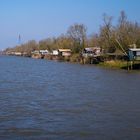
131,65
128,65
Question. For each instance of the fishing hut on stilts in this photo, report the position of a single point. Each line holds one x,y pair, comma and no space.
133,55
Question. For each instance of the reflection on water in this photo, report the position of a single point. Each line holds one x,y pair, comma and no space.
42,99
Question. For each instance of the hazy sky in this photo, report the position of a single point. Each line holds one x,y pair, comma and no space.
39,19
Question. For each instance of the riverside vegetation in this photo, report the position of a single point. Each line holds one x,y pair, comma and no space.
114,41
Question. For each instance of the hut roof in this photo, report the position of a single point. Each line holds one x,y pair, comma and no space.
134,49
64,50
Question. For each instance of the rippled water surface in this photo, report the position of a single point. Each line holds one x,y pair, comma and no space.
47,100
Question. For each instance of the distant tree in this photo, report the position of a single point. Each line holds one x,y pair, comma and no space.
64,42
107,34
30,46
46,44
93,40
77,33
127,32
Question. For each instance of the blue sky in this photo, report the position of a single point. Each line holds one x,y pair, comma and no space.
39,19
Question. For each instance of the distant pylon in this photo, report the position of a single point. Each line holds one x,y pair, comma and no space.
19,39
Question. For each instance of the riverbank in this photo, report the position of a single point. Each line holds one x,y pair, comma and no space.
99,61
118,64
114,64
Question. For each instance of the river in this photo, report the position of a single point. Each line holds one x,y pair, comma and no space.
48,100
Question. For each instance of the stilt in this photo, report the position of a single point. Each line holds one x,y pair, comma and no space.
128,65
131,65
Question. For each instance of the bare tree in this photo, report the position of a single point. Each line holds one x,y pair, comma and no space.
127,32
77,33
107,34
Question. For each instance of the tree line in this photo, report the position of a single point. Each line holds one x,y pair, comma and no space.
110,37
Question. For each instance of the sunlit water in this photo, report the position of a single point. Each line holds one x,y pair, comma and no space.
47,100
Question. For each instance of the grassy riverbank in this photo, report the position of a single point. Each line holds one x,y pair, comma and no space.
118,64
114,64
99,61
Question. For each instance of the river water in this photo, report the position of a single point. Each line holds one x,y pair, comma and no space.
48,100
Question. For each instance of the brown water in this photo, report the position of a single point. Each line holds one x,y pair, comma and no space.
47,100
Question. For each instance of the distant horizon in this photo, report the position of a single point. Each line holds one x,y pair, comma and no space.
40,19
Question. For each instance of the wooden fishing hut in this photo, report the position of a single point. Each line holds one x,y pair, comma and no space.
133,55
